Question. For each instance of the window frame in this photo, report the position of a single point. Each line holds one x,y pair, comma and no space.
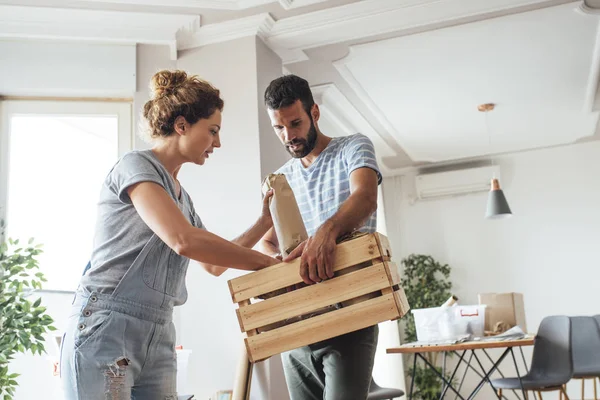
57,107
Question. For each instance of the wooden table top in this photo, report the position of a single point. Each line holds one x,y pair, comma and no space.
417,347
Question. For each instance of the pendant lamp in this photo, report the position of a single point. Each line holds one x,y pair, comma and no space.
497,206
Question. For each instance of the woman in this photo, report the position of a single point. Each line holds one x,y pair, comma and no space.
120,341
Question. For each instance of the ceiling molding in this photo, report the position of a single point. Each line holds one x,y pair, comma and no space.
17,22
345,72
591,102
292,4
244,4
325,96
257,25
225,5
370,18
289,37
212,4
336,15
343,114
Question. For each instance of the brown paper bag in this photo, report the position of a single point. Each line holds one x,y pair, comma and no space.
287,220
503,311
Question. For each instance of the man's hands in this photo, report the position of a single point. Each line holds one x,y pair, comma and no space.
317,255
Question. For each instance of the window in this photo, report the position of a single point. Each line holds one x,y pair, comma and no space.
55,156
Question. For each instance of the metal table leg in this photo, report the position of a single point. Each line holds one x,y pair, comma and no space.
440,375
412,380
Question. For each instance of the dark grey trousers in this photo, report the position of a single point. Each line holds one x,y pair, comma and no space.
335,369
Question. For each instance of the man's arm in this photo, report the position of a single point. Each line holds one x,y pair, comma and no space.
318,252
269,244
361,204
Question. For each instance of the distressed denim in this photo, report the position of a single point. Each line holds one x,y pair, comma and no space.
339,368
121,346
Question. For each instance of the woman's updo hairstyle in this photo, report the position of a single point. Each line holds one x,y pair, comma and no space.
174,93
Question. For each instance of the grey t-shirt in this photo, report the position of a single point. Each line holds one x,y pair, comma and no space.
121,233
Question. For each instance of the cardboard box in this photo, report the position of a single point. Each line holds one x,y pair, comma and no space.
505,308
365,285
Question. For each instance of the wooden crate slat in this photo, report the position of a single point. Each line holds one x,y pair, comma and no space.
282,275
393,273
401,302
303,301
384,245
325,326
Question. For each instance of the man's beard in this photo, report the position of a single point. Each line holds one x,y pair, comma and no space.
308,144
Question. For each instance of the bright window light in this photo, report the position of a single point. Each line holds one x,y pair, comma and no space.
56,167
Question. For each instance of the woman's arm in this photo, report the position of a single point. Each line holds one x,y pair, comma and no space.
158,210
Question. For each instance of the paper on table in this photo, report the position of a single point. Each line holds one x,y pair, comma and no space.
513,333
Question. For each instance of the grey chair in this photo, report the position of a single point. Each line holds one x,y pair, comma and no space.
585,341
552,361
376,392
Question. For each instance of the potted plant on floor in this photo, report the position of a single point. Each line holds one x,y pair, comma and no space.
426,284
22,323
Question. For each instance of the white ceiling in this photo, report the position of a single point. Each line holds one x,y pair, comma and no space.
407,73
535,66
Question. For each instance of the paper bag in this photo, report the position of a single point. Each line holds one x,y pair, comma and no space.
503,311
287,220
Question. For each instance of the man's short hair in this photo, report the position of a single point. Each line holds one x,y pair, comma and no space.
286,90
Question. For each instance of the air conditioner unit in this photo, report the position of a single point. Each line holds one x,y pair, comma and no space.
457,182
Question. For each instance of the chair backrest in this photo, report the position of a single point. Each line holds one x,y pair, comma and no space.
552,353
585,341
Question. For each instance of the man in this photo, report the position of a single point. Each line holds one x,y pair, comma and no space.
335,184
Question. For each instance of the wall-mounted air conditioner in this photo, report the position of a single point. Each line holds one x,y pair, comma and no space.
457,182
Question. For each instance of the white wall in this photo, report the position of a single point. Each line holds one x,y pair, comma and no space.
226,194
150,59
272,153
38,68
548,250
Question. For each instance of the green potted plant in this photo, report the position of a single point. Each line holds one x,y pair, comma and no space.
426,284
22,323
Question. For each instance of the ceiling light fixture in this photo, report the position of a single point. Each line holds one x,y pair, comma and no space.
497,206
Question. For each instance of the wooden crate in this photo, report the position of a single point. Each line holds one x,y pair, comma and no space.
366,281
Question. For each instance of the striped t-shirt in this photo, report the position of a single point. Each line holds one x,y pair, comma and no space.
321,188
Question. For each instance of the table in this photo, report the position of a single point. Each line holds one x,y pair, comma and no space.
419,348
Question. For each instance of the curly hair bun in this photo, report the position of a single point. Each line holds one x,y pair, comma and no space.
166,82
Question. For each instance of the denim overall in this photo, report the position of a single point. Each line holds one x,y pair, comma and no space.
122,345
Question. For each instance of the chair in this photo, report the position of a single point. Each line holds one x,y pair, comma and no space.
551,364
585,342
376,392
